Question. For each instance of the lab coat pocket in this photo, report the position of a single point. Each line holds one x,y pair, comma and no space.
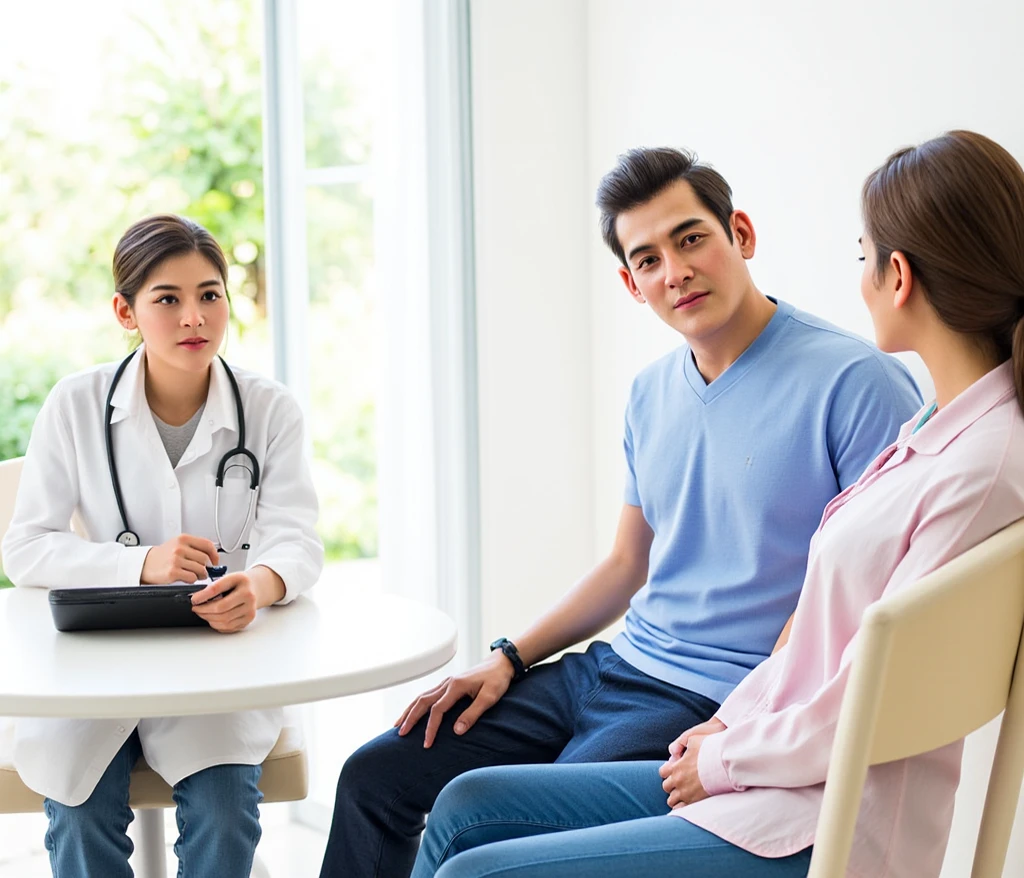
232,524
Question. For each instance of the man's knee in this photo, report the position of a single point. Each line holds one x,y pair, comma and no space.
365,773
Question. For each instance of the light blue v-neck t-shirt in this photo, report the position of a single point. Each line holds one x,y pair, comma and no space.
733,477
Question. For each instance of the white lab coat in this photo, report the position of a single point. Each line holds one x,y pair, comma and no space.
65,471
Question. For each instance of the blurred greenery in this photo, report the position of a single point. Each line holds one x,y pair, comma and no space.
25,381
176,127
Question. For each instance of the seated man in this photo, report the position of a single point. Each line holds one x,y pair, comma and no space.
734,443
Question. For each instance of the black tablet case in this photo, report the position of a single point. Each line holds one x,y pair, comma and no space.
142,606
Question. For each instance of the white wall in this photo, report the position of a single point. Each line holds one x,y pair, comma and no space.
533,305
795,102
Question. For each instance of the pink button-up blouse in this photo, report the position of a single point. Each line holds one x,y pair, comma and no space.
927,498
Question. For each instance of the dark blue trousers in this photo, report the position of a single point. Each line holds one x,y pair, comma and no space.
589,707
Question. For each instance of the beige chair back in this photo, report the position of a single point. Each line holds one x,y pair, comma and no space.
935,662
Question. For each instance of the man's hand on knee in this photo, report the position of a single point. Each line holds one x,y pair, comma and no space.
485,684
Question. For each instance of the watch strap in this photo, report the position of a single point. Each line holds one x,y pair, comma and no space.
508,649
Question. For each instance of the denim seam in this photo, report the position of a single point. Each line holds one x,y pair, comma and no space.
127,787
598,687
257,831
180,846
517,867
52,847
391,805
541,824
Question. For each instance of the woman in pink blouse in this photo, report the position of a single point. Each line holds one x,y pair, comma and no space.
943,249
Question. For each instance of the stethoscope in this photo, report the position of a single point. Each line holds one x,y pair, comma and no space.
128,537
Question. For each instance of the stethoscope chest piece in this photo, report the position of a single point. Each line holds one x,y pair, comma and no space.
127,538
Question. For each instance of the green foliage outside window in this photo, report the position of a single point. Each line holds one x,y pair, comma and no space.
178,129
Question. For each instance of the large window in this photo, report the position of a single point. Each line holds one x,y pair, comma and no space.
147,106
344,79
130,107
340,91
133,107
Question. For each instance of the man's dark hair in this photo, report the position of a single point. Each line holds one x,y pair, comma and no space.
643,173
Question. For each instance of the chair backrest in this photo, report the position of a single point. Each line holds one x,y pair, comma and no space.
935,662
10,475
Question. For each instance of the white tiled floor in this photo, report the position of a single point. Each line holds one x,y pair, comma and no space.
287,849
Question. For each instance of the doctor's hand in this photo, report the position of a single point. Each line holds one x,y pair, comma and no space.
485,684
230,603
182,559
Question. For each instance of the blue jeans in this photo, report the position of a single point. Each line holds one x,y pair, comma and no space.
585,707
217,813
577,821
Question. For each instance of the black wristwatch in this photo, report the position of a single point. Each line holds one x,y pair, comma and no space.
512,654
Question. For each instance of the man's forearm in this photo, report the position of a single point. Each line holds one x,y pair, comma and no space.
597,600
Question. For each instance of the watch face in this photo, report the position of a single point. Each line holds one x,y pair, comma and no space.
499,643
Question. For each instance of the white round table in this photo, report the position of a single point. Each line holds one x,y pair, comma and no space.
326,644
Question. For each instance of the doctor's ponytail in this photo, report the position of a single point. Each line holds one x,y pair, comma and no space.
954,206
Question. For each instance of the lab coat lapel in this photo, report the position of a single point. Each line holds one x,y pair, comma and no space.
130,404
219,413
131,388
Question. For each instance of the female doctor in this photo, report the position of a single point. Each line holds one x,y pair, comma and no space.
172,415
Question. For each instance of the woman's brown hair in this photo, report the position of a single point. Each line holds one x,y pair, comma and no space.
154,239
954,206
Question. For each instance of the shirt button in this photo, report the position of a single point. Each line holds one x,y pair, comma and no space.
120,729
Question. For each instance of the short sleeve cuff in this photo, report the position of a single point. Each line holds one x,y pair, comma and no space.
710,767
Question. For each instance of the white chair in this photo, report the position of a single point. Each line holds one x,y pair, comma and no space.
285,775
935,662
